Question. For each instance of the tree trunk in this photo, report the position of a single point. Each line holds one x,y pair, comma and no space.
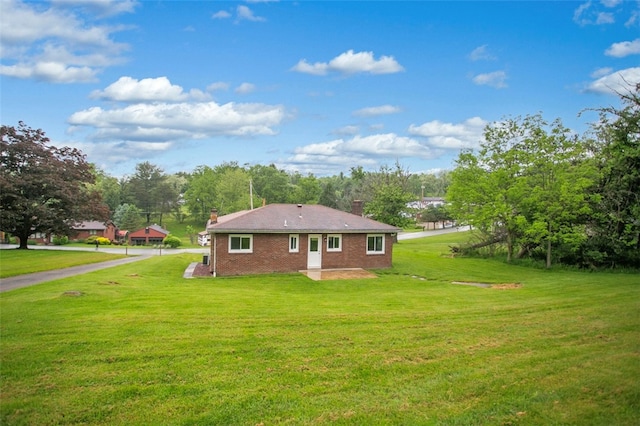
549,246
24,239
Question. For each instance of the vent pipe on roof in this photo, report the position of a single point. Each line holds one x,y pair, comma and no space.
300,211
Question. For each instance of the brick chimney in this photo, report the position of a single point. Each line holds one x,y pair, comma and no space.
213,218
356,207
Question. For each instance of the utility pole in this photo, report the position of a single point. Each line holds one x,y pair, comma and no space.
251,192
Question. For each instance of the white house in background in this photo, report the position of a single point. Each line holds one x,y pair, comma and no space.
204,238
426,202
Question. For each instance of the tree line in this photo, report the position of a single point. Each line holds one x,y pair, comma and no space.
149,194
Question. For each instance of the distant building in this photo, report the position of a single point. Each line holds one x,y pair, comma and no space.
90,228
203,238
149,235
426,202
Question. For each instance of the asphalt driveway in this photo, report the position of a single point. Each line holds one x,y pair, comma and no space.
12,283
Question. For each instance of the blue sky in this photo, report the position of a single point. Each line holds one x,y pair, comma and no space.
310,86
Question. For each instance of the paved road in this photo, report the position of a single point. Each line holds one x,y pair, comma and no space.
26,280
130,251
136,254
422,234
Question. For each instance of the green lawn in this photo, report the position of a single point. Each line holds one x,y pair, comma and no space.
18,262
141,345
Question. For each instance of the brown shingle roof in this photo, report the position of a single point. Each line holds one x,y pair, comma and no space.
288,218
90,225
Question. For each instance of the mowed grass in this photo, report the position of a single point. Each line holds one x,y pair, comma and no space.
141,345
17,262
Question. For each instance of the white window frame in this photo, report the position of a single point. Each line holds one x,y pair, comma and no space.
292,238
383,244
339,238
241,250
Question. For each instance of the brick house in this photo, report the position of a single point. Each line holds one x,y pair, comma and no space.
291,238
86,229
152,234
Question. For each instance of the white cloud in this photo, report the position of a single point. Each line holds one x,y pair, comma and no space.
319,68
106,154
40,43
605,18
481,53
218,85
589,13
601,72
245,88
495,79
53,72
580,11
467,134
619,82
222,14
100,7
610,3
624,48
244,13
349,130
360,150
349,63
128,89
377,110
164,122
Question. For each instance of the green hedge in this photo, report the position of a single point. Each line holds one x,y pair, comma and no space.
172,241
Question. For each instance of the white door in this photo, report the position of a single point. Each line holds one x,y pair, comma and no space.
314,252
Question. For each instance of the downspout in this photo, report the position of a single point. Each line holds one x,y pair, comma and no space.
214,261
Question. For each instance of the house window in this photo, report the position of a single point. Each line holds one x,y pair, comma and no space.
293,243
334,242
375,244
92,232
240,243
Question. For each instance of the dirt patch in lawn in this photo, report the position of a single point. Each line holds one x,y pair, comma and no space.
506,286
338,274
501,286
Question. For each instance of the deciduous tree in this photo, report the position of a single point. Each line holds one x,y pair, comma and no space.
527,182
43,188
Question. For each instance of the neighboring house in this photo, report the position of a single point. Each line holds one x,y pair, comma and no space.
122,236
86,229
39,238
152,234
290,238
426,202
203,238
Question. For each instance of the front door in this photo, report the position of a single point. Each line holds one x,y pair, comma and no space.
314,254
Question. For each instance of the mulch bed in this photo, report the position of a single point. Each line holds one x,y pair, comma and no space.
201,270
